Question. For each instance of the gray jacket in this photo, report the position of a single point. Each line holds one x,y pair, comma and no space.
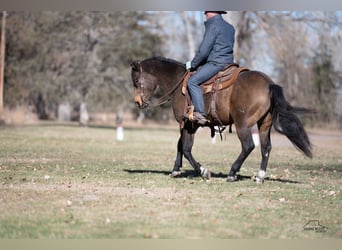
217,44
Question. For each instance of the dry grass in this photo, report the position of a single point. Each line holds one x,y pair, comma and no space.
71,182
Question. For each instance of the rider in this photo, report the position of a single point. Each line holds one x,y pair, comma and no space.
214,53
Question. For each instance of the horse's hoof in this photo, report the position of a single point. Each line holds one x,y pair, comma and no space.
232,178
258,180
176,174
205,173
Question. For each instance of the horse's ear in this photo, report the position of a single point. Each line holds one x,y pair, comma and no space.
136,65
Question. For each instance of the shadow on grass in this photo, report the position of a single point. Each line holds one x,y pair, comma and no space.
192,174
282,180
184,174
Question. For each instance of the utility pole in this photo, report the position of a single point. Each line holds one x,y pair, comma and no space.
2,61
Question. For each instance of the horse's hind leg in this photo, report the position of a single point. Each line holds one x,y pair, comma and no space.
265,144
247,145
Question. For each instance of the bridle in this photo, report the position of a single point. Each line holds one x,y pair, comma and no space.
142,87
165,98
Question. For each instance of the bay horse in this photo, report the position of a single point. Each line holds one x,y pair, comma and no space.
252,99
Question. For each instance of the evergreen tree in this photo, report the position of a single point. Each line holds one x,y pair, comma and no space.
74,57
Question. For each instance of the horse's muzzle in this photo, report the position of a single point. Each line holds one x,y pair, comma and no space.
139,102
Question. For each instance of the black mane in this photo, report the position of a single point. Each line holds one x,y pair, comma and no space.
165,60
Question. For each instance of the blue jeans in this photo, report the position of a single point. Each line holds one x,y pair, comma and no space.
203,74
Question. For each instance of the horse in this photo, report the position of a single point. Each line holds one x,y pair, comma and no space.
252,99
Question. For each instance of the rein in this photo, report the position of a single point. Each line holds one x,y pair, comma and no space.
165,98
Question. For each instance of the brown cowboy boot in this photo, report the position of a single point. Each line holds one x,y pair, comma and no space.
200,119
195,116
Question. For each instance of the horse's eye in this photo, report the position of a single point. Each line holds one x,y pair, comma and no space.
136,82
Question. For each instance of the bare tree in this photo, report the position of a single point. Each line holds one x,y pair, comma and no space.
189,34
244,23
2,59
290,52
289,45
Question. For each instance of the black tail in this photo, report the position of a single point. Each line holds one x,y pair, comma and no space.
286,121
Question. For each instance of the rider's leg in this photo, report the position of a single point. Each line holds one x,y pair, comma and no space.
203,74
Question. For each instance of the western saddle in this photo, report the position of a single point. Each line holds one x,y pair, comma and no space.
222,80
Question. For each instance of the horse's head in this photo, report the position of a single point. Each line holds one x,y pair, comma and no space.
144,85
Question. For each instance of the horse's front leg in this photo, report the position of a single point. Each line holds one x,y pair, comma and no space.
179,159
185,145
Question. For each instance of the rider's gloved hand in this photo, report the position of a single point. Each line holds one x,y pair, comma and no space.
188,65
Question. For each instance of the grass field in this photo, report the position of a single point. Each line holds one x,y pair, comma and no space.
70,182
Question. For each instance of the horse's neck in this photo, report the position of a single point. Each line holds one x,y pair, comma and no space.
168,80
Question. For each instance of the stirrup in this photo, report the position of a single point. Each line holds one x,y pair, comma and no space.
190,114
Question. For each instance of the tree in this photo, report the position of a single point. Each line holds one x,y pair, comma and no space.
2,60
75,57
289,48
246,29
325,80
57,57
286,46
